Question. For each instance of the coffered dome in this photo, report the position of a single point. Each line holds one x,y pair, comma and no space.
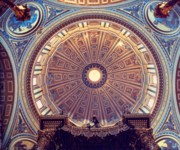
94,68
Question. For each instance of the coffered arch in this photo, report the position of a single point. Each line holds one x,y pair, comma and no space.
9,92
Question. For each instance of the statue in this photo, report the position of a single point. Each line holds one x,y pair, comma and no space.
93,123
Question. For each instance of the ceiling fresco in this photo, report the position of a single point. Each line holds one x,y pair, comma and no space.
124,76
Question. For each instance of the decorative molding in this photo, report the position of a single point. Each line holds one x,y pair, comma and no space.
177,84
91,2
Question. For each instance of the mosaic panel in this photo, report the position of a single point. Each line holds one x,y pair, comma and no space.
23,145
169,124
23,28
168,144
167,25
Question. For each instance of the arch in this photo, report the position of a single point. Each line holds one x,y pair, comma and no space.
22,138
176,85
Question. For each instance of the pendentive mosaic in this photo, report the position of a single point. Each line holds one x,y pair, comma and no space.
24,28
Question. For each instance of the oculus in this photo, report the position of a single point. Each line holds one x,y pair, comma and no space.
94,75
